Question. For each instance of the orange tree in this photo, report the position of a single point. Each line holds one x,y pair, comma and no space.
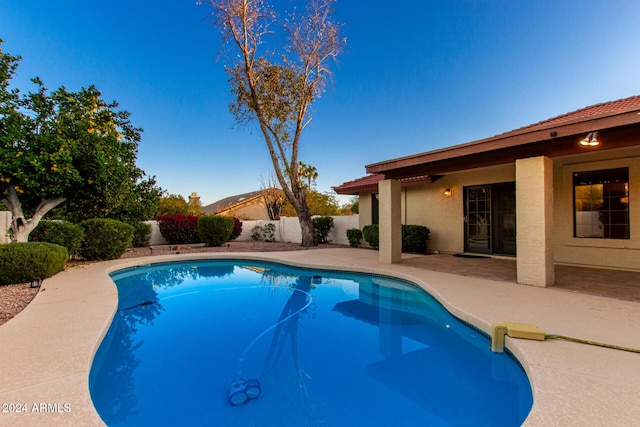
67,147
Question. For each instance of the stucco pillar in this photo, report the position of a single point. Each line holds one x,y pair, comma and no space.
390,225
534,221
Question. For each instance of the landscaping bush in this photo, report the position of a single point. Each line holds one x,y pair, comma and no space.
266,232
61,233
354,235
414,238
105,239
237,229
214,230
141,234
371,234
21,262
179,228
321,228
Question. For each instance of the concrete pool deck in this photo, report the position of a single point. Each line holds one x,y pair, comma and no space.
47,350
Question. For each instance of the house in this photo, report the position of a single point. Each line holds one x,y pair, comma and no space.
246,206
561,191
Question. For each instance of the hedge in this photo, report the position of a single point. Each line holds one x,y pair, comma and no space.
105,239
215,230
61,233
354,235
179,228
141,235
321,228
414,237
21,262
371,234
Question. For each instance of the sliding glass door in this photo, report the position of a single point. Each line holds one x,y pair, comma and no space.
490,219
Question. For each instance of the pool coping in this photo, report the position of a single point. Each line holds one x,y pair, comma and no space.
47,350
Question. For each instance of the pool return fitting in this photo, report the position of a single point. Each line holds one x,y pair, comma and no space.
532,332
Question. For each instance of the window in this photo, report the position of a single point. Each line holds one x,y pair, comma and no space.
375,209
601,203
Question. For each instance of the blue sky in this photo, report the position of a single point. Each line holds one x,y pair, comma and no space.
415,76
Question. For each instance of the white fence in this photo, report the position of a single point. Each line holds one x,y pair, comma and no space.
287,230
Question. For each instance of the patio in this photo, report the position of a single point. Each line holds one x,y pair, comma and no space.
593,281
46,352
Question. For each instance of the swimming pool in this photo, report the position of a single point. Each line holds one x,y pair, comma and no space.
328,348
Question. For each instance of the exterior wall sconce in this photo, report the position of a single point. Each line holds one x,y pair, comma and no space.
448,193
591,140
36,282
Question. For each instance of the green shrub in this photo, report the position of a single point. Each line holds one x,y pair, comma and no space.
371,234
21,262
256,233
105,238
321,228
141,235
215,230
179,228
61,233
266,232
354,235
414,238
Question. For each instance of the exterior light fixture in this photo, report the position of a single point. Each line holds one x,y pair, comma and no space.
591,140
448,193
36,282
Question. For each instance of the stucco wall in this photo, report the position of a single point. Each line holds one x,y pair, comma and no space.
427,205
250,210
5,224
444,216
287,230
365,209
596,252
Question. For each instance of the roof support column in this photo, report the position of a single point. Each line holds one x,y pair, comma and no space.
390,221
534,221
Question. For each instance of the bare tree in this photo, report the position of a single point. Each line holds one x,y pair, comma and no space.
276,91
273,198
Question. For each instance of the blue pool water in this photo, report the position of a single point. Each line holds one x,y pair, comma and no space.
328,348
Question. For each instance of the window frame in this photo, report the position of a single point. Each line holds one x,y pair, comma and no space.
607,205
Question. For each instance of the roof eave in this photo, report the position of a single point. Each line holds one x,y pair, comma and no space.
511,139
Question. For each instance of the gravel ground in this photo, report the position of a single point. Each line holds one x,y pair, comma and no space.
14,298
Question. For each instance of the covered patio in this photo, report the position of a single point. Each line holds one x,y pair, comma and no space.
619,284
557,192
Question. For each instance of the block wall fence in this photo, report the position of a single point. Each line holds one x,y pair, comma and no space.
287,229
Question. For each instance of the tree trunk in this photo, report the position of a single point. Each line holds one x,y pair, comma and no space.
20,226
304,216
306,227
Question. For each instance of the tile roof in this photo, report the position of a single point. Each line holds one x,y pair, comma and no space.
360,183
371,182
227,202
602,109
612,110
